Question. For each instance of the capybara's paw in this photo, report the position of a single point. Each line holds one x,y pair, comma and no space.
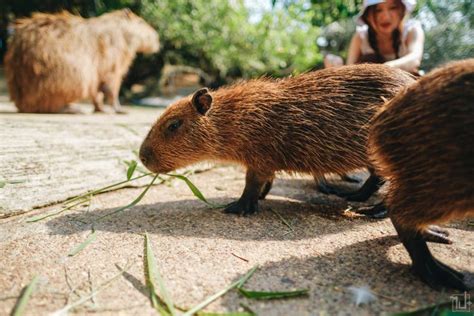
242,207
436,234
377,211
438,275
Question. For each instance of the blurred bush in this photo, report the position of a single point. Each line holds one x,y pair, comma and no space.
220,38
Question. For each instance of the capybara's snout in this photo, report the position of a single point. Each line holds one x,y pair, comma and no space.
146,155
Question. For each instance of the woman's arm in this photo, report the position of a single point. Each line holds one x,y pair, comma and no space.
353,54
411,62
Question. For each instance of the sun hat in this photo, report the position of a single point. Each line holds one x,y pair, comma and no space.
409,7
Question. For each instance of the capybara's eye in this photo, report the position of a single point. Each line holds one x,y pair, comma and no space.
174,125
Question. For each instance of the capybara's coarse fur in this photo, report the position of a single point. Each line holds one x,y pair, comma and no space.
423,142
55,59
311,123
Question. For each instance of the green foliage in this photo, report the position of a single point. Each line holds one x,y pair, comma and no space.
218,37
448,31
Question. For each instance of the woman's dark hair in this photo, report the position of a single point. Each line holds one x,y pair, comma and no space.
396,38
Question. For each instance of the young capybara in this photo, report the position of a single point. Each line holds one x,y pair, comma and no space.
423,142
312,123
55,59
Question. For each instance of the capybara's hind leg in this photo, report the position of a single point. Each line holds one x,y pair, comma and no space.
248,203
431,271
370,186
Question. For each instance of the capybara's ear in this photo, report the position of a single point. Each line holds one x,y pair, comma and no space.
202,100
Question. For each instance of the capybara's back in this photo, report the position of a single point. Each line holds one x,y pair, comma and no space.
423,142
55,59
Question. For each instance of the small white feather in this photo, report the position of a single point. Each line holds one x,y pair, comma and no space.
361,295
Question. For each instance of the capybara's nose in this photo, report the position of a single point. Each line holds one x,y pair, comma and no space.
146,155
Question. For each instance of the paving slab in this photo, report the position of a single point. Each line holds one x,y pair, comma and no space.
47,158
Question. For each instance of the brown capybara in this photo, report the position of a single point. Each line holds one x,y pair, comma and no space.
423,142
55,59
311,123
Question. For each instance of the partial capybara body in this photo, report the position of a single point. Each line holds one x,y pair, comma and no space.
312,123
423,142
55,59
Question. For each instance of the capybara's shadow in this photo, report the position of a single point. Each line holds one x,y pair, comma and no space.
328,278
194,218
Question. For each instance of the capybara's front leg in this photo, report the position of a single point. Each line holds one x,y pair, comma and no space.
248,202
431,271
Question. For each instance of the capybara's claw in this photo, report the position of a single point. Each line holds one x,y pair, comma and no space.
436,234
438,275
242,207
377,211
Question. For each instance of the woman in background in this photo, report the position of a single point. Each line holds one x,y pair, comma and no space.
385,35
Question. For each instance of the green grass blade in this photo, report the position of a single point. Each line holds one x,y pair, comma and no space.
84,244
2,184
37,218
435,310
257,295
133,203
191,186
131,169
195,190
153,275
20,305
106,188
139,168
215,296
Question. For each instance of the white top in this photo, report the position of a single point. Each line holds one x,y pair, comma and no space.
363,32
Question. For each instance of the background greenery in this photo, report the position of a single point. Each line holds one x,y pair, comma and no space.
228,40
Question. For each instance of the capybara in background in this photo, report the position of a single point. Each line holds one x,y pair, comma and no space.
55,59
423,142
311,123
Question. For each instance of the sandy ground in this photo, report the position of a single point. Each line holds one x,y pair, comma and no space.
198,248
